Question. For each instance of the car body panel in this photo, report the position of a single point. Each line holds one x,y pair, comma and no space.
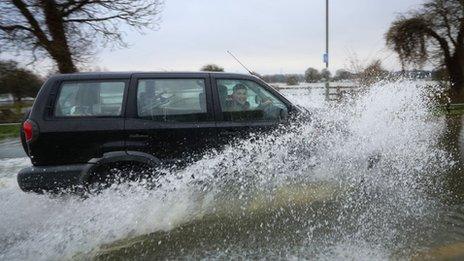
169,140
73,140
72,145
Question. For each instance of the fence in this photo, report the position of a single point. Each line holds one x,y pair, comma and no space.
334,93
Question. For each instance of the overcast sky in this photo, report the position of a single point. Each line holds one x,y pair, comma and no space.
269,36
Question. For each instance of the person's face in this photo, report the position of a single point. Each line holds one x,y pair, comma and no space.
240,96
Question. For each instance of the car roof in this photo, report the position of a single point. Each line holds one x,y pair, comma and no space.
121,75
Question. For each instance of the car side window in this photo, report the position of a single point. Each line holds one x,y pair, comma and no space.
245,100
172,100
90,99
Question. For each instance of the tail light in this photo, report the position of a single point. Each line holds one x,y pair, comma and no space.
28,130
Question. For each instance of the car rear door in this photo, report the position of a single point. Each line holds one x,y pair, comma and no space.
170,115
254,116
82,120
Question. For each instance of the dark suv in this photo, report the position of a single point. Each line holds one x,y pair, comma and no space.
82,122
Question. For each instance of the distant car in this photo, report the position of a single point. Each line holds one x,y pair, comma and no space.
83,125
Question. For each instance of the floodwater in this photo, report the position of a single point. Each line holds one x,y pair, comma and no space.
11,148
378,177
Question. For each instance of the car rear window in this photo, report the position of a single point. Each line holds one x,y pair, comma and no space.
90,99
177,100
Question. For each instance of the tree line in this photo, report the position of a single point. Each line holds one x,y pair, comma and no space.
18,81
70,31
363,75
432,33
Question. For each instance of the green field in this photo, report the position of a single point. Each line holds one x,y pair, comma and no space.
450,109
9,131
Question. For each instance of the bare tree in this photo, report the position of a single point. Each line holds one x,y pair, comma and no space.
18,81
433,33
212,68
326,74
343,74
373,73
312,75
68,31
292,79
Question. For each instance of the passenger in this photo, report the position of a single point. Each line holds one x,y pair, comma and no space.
238,100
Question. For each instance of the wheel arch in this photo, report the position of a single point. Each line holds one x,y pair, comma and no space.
117,157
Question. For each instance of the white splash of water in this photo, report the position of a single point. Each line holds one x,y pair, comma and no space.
390,125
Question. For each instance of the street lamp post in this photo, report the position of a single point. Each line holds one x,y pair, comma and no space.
326,55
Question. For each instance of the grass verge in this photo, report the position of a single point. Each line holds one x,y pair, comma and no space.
9,131
13,112
449,109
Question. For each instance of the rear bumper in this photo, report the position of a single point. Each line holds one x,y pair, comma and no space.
40,178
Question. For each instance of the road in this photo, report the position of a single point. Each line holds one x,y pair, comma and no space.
11,148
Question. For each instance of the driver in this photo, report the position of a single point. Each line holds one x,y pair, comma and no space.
263,102
238,100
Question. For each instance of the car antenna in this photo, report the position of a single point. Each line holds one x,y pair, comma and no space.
250,72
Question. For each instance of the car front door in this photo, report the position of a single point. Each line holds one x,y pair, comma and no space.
246,105
170,115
